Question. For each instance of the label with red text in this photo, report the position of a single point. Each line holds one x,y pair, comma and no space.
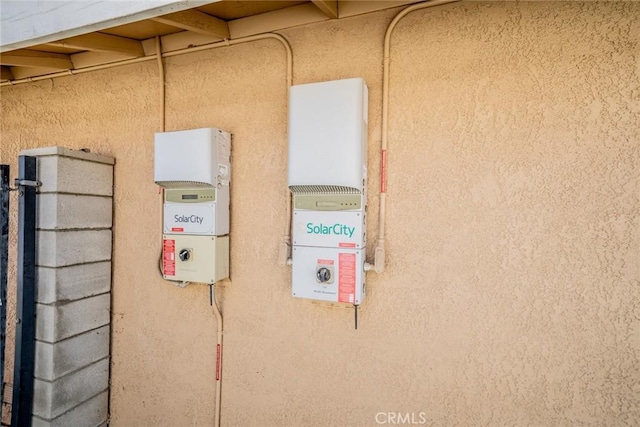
347,278
169,257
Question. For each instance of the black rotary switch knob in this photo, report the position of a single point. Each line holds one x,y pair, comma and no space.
184,254
323,274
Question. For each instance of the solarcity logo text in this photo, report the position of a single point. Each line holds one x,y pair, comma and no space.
337,229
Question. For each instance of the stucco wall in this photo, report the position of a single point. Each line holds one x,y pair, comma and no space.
512,290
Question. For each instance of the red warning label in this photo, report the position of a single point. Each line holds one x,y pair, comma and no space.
347,278
169,257
177,229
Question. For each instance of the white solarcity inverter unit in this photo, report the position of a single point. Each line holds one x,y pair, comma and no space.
327,176
194,168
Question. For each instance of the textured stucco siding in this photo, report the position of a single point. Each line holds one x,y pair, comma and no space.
512,289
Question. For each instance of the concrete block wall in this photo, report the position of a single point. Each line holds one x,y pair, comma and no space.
73,287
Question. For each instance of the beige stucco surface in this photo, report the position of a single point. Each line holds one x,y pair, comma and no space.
512,289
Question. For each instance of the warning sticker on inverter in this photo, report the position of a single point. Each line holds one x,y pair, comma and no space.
169,257
346,278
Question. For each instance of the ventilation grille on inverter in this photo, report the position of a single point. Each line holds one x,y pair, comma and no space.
184,184
315,189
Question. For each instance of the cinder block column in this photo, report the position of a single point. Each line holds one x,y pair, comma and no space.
73,287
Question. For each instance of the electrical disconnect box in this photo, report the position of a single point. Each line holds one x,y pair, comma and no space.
328,176
194,168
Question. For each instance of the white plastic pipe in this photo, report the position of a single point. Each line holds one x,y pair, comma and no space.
379,255
158,56
284,254
225,43
216,309
162,85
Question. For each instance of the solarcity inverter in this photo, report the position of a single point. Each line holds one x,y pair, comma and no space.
327,176
194,168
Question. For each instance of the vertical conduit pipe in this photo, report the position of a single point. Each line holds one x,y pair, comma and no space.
287,238
379,260
216,310
162,83
158,56
218,314
289,79
162,129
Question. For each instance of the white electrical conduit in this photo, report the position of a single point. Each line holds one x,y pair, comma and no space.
379,260
162,84
224,43
162,128
216,309
163,115
158,56
219,320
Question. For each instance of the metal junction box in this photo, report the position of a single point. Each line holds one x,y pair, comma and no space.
202,259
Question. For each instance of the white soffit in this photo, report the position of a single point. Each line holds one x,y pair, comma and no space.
32,22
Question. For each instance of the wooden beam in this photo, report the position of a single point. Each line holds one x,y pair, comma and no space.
89,59
198,22
26,72
354,8
266,22
328,7
5,73
98,42
34,58
177,41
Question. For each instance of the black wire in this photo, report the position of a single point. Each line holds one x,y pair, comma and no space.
160,270
356,310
